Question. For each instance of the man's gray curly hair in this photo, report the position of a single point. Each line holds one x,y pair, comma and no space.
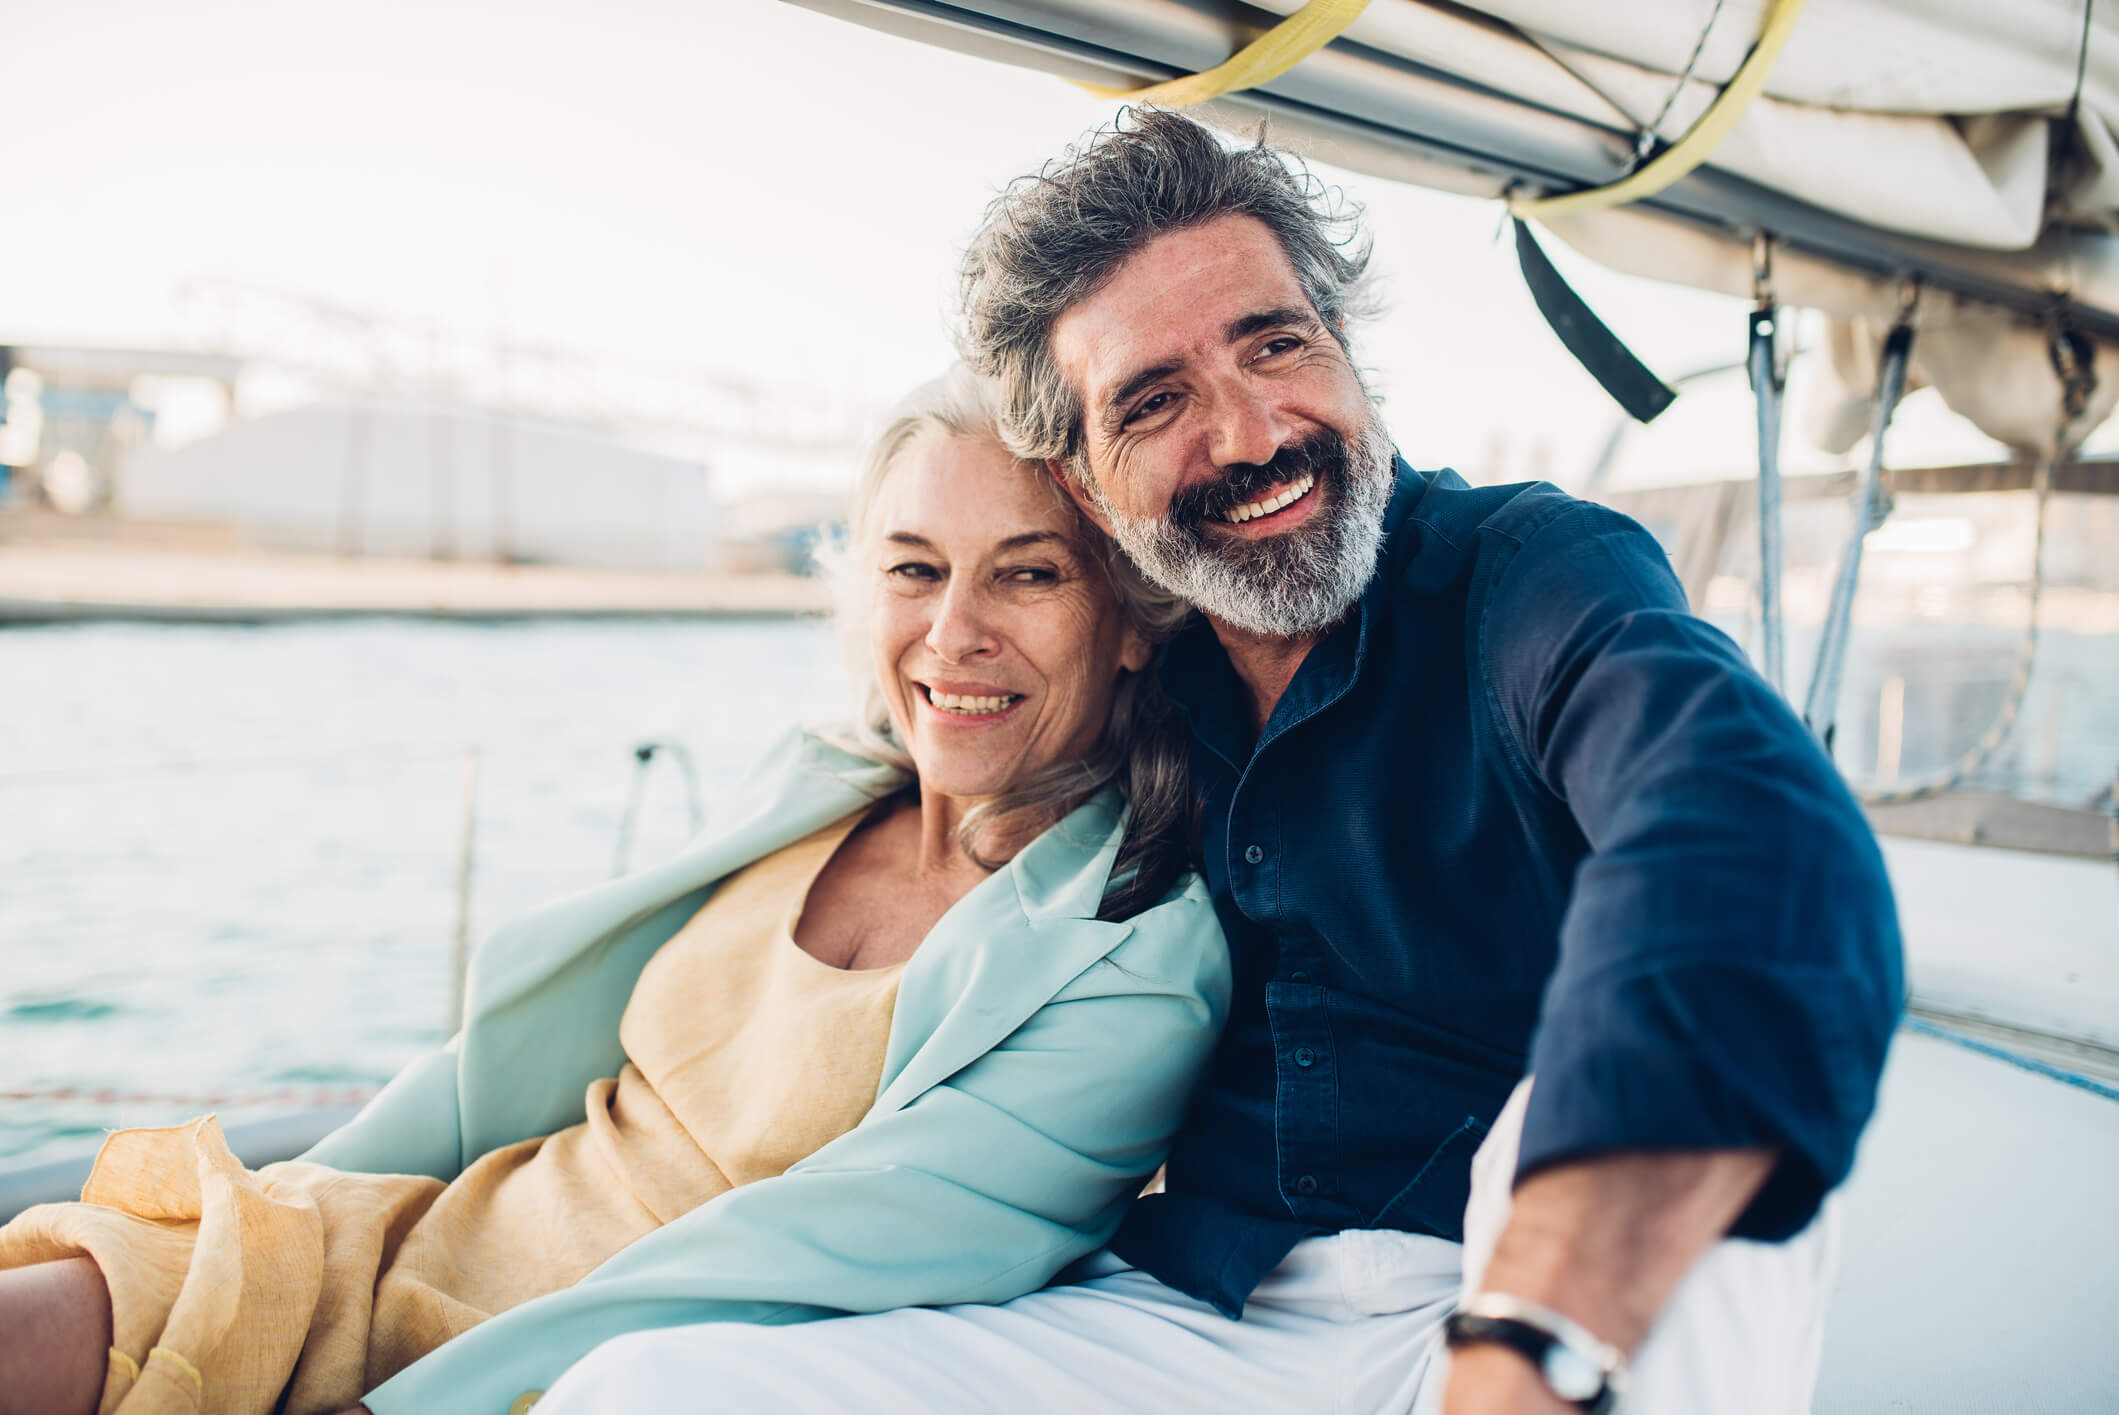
1051,240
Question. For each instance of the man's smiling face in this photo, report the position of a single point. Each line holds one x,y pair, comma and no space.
1231,449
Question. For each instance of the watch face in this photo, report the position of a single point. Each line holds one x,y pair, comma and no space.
1571,1375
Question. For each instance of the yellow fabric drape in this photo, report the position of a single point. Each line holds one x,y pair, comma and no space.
298,1287
1700,140
1265,58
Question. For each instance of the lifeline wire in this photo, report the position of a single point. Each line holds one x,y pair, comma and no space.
2019,685
2074,361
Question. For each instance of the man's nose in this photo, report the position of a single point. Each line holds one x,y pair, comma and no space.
962,629
1246,429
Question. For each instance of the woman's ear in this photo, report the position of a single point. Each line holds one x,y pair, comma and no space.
1134,650
1078,493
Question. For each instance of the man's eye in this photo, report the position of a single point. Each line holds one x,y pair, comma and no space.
1281,345
1149,406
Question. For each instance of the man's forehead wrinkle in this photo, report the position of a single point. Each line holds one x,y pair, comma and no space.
1246,324
1124,324
1242,326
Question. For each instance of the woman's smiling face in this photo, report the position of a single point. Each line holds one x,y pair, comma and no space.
997,643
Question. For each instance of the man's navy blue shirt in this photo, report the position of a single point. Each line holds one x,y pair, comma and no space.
1519,812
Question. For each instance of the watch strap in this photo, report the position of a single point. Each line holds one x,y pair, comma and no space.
1534,1332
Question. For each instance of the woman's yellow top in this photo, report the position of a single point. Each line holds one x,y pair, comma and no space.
745,1054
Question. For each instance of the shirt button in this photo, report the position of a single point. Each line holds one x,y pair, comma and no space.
1305,1057
1306,1185
1298,976
1252,854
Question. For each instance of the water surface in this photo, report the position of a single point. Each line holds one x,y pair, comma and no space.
229,855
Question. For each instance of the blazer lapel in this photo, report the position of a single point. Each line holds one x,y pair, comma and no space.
1003,951
547,994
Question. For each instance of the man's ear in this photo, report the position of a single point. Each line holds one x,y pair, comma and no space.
1079,493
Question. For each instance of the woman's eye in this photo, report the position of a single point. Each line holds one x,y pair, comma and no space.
1031,575
913,570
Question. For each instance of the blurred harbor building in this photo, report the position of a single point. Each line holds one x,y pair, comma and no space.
298,425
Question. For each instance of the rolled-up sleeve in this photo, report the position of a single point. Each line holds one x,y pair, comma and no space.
1729,972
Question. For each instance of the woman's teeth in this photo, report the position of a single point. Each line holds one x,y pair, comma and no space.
1251,510
965,705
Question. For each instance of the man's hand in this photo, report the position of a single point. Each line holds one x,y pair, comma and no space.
1605,1242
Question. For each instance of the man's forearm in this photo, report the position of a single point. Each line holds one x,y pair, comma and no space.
1604,1241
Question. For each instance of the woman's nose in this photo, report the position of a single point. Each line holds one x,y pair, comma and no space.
960,630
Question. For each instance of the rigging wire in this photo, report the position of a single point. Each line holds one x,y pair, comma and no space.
2074,360
2072,356
1650,134
1546,47
1768,380
1672,163
1982,751
1871,505
2063,156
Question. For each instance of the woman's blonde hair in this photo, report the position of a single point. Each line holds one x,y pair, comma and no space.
1143,747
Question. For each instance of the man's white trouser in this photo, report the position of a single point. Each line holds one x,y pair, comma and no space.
1349,1324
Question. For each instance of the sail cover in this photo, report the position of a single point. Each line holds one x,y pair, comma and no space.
1966,144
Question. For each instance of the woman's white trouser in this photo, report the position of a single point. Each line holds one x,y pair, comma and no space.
1349,1324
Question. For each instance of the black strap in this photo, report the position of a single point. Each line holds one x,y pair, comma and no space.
1531,1343
1613,365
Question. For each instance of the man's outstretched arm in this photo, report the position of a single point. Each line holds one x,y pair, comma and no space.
1603,1242
1728,979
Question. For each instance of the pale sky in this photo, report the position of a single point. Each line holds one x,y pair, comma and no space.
742,185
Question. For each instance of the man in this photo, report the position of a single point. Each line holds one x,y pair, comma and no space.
1481,799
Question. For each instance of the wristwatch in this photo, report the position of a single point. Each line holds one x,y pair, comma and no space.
1587,1373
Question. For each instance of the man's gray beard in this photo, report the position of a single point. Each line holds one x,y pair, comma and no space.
1284,586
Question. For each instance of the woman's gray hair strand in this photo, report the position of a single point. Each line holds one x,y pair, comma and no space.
1143,749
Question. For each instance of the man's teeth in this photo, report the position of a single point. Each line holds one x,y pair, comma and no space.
968,704
1250,510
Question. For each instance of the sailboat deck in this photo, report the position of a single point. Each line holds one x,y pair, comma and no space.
1981,1266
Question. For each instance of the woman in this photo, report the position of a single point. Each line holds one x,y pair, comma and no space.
912,1028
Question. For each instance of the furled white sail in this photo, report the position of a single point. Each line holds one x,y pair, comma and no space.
1894,140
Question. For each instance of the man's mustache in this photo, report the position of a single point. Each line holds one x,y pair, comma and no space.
1322,456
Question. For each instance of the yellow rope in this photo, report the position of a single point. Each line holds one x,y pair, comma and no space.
1264,59
1699,141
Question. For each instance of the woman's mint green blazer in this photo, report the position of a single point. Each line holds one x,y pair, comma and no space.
1039,1062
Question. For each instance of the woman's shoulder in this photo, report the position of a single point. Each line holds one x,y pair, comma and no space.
1178,939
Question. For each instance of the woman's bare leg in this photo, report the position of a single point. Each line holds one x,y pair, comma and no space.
54,1338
